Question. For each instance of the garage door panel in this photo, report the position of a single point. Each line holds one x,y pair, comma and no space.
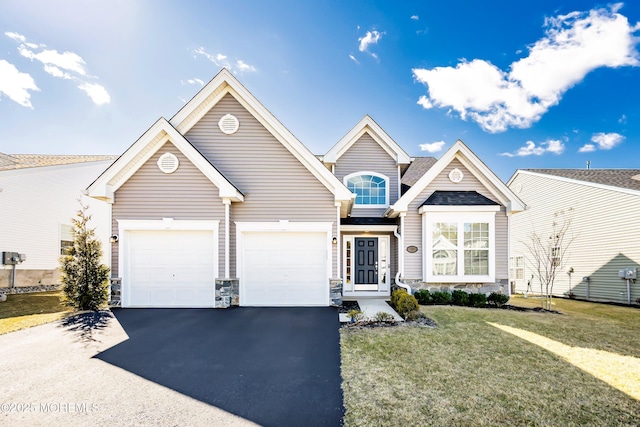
170,268
285,268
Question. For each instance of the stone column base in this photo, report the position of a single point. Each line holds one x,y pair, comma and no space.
335,292
227,293
115,295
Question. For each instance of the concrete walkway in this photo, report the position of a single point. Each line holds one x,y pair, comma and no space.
371,306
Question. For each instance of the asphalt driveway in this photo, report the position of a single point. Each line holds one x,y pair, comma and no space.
269,366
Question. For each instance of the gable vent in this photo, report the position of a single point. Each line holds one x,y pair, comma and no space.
229,124
168,163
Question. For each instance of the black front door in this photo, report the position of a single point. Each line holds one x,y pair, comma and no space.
366,261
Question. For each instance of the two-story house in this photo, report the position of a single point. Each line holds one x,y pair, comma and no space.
221,205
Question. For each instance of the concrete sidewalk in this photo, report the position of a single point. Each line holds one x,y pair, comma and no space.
370,307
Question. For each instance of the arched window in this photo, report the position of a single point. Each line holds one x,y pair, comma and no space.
370,188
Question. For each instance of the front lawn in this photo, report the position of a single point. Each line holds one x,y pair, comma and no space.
21,311
497,367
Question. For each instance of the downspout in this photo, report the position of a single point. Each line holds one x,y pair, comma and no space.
338,248
400,240
227,204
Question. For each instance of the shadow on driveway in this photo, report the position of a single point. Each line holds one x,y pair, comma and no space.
272,366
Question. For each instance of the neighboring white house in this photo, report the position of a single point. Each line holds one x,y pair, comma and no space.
38,197
603,205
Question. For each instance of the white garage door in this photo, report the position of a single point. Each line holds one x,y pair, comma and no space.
284,269
169,268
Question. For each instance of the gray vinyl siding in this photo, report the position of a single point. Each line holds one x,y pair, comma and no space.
605,228
276,185
151,194
413,222
367,155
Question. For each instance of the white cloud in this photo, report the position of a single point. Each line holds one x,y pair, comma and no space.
433,147
15,84
587,148
67,60
57,72
574,45
222,60
606,141
353,58
554,146
623,119
372,37
193,81
96,92
244,66
15,36
415,17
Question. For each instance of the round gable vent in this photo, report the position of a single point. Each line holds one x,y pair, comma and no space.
456,175
229,124
168,163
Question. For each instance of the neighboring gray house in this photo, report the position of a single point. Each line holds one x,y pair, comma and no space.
38,197
603,206
222,205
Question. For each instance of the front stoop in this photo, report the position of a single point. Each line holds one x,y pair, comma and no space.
370,306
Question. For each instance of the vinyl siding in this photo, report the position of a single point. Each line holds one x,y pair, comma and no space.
35,202
276,185
413,222
367,155
605,228
183,194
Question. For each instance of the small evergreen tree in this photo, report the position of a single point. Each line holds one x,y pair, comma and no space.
84,279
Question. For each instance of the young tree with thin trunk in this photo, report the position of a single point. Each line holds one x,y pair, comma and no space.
548,252
84,278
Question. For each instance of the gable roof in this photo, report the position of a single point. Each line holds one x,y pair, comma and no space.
628,179
458,198
226,83
367,125
418,167
143,149
22,161
468,158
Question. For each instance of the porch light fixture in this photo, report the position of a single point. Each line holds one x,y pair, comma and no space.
334,240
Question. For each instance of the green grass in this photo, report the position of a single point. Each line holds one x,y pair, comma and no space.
21,311
497,368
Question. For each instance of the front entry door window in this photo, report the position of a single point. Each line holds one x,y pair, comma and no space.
366,263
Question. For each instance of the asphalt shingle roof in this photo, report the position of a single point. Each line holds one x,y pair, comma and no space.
458,198
623,178
418,167
21,161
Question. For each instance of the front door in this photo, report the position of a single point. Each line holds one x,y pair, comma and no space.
366,263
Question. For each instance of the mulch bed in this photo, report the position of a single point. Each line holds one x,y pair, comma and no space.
347,306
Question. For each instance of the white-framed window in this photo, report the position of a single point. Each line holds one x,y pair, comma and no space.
460,246
371,188
516,267
555,256
67,236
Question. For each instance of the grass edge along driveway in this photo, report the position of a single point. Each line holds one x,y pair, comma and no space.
26,310
470,371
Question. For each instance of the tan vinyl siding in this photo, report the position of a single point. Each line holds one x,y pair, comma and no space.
276,185
367,155
152,194
605,228
413,222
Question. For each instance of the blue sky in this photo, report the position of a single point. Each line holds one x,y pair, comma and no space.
544,84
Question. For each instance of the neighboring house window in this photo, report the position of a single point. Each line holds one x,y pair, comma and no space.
516,265
66,238
462,247
371,188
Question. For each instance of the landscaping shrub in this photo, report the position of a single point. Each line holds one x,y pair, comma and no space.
440,297
459,297
384,317
356,316
477,300
497,299
423,296
403,303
